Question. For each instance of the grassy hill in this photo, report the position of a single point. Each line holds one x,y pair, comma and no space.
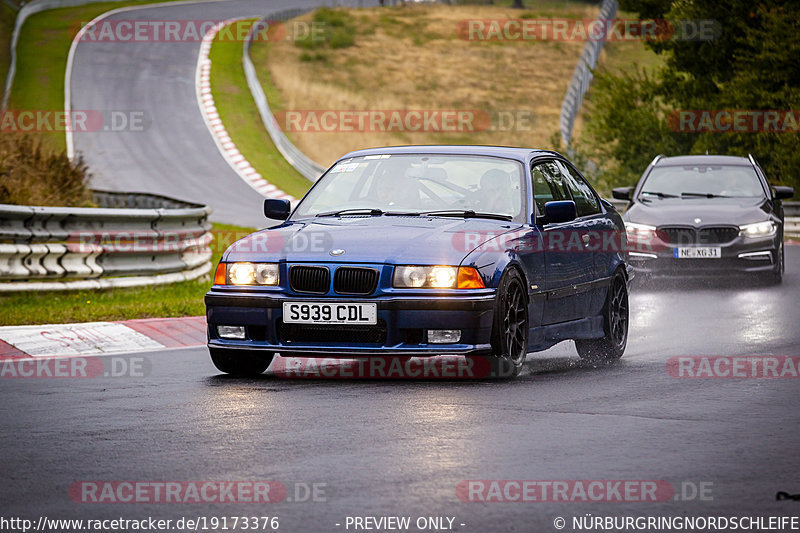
412,57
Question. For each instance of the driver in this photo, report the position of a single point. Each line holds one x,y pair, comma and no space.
496,191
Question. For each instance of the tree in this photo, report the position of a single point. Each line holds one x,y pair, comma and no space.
749,63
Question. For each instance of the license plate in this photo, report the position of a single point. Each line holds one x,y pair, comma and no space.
698,253
330,313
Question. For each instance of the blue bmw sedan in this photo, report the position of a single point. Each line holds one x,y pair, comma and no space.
416,251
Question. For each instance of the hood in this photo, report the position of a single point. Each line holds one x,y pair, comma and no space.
379,239
711,212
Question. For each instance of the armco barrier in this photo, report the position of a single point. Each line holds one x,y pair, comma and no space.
133,240
300,161
582,76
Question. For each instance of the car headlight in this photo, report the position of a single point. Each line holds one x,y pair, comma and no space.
639,231
436,277
758,229
247,274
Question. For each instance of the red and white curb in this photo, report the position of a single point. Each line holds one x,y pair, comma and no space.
101,338
212,119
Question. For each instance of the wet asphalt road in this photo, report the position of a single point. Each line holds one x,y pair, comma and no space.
402,447
392,448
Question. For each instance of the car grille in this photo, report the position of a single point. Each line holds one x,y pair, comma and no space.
338,333
710,235
717,235
310,279
353,280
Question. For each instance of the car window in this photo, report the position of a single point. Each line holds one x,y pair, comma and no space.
548,185
586,203
418,183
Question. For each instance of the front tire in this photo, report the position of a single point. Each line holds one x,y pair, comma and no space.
240,363
774,276
510,329
777,275
615,326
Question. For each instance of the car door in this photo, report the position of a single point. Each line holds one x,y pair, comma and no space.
599,235
568,265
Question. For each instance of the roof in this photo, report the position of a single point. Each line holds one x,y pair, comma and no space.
711,160
520,154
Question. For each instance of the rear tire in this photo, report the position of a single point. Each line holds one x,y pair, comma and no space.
510,329
615,318
240,363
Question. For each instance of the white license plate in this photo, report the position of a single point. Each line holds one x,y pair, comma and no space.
698,253
330,313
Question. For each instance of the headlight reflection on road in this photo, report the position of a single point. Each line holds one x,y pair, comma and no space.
647,310
760,326
236,407
439,414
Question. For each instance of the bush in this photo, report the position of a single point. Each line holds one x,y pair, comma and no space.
341,38
627,126
335,30
33,174
331,17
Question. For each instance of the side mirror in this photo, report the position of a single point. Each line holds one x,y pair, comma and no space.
276,209
560,211
782,192
622,193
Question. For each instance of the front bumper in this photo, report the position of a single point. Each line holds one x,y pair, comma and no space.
402,325
740,256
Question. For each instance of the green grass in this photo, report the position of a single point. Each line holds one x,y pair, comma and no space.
177,299
240,115
621,56
42,52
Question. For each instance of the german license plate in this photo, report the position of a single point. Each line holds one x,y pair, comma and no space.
698,252
330,313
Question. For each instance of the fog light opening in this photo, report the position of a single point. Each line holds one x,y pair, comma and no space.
444,336
231,332
757,256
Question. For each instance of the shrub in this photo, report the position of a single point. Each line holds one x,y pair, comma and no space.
336,31
33,174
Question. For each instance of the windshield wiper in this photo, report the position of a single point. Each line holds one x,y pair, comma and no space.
465,213
703,195
660,194
353,211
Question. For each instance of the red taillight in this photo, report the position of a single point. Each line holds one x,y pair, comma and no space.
219,276
468,278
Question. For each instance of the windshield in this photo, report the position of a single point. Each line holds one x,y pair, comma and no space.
702,181
418,183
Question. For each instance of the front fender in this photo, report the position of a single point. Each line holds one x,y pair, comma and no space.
520,248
